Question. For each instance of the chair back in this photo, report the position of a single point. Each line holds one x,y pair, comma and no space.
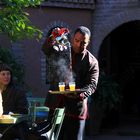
41,112
37,100
37,113
57,123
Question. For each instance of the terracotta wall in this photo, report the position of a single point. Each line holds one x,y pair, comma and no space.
34,60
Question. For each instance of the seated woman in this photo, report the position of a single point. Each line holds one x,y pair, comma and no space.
13,101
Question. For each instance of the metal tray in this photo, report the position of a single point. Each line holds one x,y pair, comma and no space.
67,91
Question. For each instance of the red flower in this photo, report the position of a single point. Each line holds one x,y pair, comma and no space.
57,32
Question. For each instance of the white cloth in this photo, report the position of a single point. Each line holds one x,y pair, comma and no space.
1,106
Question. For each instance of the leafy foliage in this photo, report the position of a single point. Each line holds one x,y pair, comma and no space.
17,69
107,95
14,20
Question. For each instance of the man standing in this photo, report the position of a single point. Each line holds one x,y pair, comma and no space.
85,74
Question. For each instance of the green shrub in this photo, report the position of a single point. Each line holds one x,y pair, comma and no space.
107,95
17,69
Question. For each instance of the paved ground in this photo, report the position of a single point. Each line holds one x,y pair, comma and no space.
113,137
125,131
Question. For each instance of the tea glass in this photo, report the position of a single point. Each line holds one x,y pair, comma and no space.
61,86
72,86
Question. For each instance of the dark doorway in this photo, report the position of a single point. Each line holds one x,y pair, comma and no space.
120,55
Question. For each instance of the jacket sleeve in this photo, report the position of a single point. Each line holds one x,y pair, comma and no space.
92,77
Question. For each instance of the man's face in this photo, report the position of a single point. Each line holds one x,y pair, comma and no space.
5,77
80,42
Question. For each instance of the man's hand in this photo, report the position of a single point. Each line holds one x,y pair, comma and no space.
80,96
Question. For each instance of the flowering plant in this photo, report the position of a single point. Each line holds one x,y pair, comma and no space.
59,39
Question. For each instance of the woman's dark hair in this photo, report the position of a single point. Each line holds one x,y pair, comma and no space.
5,67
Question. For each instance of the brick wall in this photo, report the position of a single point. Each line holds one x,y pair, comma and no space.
101,17
110,14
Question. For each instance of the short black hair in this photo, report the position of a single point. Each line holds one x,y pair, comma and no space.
5,67
83,30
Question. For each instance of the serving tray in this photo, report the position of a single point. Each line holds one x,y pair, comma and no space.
67,91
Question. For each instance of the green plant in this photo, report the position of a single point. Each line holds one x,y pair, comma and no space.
15,22
17,69
105,99
107,95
